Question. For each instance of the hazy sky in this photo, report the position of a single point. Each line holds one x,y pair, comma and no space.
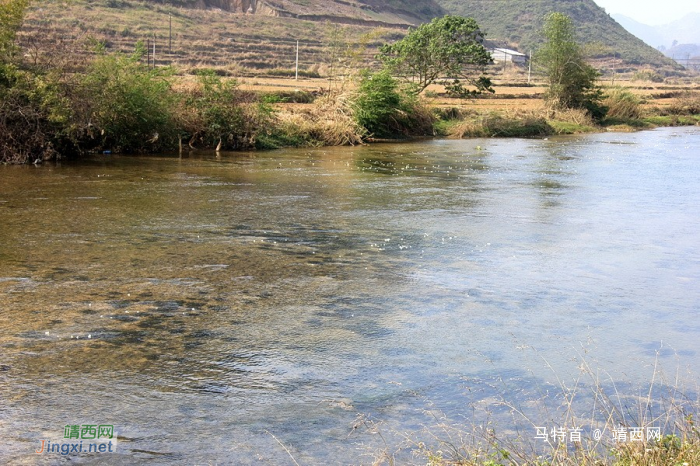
651,12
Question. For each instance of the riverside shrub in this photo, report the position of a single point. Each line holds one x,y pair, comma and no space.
124,106
384,109
218,114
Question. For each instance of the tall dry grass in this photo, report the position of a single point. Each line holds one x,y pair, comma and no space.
328,121
622,104
516,122
688,103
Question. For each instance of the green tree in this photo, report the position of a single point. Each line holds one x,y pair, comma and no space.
448,47
572,81
11,17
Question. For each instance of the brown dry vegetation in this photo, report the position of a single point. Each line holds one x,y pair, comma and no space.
507,97
511,102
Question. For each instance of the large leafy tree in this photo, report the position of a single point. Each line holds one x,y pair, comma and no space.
448,47
572,81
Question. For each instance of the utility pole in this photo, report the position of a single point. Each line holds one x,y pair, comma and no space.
170,33
529,68
296,66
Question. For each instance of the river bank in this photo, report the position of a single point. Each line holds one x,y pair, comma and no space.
123,108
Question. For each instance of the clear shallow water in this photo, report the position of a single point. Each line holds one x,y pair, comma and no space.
202,305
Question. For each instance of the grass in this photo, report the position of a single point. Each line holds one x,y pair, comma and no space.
672,120
622,103
328,122
537,122
631,108
587,409
494,125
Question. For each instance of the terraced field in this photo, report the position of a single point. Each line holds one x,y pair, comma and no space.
233,43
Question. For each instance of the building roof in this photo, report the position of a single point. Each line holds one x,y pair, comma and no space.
509,52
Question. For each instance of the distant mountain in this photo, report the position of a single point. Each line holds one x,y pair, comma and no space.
683,31
649,34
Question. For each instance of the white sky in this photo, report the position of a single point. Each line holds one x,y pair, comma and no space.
652,12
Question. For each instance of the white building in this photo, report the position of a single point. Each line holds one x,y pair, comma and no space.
508,55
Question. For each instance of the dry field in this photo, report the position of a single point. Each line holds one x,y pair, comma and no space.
507,97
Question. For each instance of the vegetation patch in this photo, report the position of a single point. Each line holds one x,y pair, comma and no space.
622,104
673,120
290,73
687,103
289,97
385,110
123,106
496,125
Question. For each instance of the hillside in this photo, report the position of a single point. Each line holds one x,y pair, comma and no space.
519,22
229,42
366,12
247,36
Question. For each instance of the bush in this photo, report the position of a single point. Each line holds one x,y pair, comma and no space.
622,103
124,106
377,102
11,17
384,110
218,114
33,116
648,75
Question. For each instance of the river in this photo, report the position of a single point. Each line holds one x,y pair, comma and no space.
321,306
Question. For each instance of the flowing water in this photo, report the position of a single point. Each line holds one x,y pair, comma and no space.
251,308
